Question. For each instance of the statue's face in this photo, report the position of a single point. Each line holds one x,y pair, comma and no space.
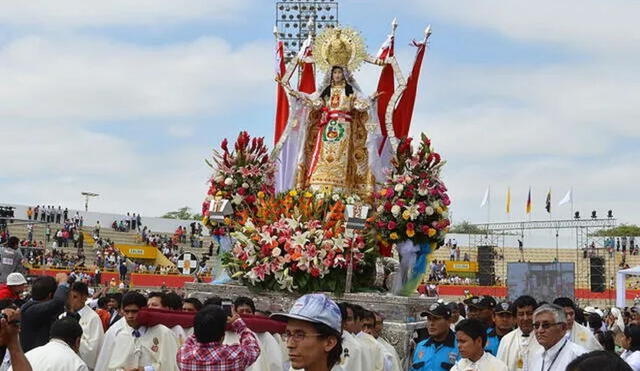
337,75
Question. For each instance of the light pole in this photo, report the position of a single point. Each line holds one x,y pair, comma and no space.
86,199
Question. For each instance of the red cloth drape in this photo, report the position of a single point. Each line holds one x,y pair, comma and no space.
404,110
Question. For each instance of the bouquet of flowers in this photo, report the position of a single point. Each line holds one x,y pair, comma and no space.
297,242
241,176
412,208
413,202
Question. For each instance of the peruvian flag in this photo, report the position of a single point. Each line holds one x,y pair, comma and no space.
404,110
282,104
386,86
307,82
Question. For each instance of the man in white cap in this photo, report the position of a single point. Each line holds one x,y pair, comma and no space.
15,286
313,335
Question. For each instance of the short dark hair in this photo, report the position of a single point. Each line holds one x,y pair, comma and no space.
524,301
134,298
156,294
243,300
369,315
42,287
80,287
13,242
212,300
172,300
565,302
117,297
195,302
325,331
66,329
474,329
343,310
599,360
358,311
209,324
633,333
102,302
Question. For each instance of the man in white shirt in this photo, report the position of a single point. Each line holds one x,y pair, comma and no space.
575,331
550,327
354,354
390,350
472,338
368,336
135,346
517,347
455,314
92,331
59,354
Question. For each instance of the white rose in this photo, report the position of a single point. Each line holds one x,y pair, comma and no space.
336,197
399,187
219,178
228,181
428,210
276,252
395,210
245,185
423,192
380,209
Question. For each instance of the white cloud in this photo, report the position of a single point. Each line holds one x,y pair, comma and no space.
87,79
592,25
73,13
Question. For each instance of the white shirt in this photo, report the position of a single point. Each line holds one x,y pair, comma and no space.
390,356
375,352
453,325
354,355
154,350
270,358
486,363
632,359
92,335
516,350
583,337
566,351
55,355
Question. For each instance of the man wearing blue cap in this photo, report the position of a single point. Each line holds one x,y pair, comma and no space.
439,352
482,309
313,336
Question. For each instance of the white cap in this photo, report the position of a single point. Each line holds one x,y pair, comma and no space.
16,279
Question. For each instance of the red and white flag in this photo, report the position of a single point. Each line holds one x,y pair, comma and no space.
404,110
386,86
282,103
307,82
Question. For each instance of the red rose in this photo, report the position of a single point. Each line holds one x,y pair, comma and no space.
392,225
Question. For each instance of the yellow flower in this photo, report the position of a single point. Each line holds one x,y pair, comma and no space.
227,221
293,193
406,215
260,194
411,233
393,236
308,194
219,193
383,192
439,210
432,232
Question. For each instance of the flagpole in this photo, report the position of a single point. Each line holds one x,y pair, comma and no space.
571,216
489,205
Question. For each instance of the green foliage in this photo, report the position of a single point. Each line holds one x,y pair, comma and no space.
182,213
619,231
466,228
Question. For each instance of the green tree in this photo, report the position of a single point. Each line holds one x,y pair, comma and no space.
466,228
182,213
619,231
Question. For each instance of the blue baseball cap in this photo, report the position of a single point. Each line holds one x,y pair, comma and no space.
316,308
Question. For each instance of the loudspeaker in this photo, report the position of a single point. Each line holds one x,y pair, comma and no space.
597,274
486,266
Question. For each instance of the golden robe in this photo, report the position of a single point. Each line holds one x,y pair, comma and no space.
335,152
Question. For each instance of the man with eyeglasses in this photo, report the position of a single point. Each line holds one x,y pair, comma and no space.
550,327
575,331
313,334
517,346
439,352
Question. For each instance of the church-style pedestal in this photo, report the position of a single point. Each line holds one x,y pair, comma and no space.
402,314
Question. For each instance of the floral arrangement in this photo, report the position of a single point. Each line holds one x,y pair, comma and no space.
297,243
413,203
239,176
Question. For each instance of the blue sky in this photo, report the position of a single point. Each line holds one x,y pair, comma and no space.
127,100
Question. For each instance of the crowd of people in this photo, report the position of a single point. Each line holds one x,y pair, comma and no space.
49,214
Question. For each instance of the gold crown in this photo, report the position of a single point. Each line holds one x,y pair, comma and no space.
342,47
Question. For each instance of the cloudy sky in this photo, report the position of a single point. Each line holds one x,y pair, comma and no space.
127,99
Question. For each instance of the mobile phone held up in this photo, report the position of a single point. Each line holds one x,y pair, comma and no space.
226,306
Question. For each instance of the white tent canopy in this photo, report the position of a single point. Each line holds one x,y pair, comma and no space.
621,284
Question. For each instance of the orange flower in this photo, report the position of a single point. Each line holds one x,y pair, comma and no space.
411,233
